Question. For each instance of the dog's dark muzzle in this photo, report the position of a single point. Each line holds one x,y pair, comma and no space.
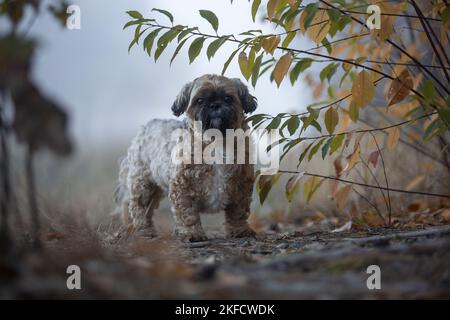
217,116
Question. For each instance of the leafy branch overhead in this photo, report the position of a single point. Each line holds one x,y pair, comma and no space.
353,64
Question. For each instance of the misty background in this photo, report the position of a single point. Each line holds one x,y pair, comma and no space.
109,93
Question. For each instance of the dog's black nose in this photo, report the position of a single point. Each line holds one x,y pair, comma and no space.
214,105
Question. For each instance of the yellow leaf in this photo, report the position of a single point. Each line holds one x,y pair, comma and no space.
372,219
353,158
363,89
292,185
331,119
282,68
446,215
342,196
400,87
310,187
271,8
393,137
243,65
387,23
415,182
319,27
269,44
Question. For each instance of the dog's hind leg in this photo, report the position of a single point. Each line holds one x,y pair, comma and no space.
144,199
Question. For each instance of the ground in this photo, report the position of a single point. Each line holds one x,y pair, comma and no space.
283,263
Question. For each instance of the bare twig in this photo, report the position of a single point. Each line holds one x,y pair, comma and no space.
367,185
370,203
385,177
428,32
370,130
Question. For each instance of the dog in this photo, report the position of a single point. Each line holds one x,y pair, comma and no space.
148,172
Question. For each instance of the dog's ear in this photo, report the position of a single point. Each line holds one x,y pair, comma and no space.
249,102
182,101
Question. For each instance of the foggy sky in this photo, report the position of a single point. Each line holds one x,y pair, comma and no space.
110,93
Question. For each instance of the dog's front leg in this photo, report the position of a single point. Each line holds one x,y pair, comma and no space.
188,225
236,225
141,207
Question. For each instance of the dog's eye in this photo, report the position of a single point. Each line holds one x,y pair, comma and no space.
200,101
228,99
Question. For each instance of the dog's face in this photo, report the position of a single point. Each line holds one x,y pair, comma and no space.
218,102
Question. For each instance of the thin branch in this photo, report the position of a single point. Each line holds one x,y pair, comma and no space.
384,14
420,149
387,203
438,195
371,130
385,177
390,63
370,203
430,40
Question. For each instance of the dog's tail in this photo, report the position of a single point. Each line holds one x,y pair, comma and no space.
121,192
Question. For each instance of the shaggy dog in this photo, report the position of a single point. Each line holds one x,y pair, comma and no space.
148,171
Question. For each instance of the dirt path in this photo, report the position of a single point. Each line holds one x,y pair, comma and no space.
278,265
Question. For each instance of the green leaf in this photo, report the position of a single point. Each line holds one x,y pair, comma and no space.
354,112
315,149
211,18
274,124
311,10
256,118
177,50
326,147
132,43
344,21
214,46
164,12
137,33
150,39
164,40
134,22
288,39
227,63
328,71
256,67
185,32
288,146
430,129
304,153
429,92
331,119
334,14
336,142
135,14
444,114
327,45
255,6
293,124
299,67
195,48
445,15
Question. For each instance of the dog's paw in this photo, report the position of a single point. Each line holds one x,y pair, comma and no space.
147,232
240,232
190,235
